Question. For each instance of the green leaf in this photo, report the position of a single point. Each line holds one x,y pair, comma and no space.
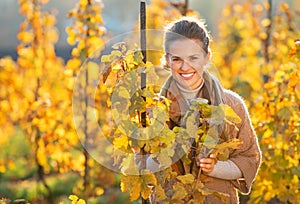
128,166
116,53
106,58
191,126
284,113
123,92
180,193
164,157
223,155
138,57
209,141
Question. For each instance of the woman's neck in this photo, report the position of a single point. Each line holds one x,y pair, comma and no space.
190,93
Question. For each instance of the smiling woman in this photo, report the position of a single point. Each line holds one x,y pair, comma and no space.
187,53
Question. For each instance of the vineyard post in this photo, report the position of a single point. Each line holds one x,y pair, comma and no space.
143,74
267,40
143,49
185,7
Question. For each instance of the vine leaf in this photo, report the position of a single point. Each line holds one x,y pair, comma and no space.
138,185
230,115
160,193
222,150
128,165
186,179
132,184
164,157
180,192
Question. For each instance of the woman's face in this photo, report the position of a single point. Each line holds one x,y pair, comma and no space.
186,58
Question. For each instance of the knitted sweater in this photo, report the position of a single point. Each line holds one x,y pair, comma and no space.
247,158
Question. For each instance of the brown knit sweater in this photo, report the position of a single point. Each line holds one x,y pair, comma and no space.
247,157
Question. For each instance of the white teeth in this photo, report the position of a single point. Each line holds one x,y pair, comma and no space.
187,75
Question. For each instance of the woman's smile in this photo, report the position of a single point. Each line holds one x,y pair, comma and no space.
187,76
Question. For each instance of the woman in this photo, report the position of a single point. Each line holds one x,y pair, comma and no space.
187,52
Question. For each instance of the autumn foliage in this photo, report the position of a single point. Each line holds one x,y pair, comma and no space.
256,53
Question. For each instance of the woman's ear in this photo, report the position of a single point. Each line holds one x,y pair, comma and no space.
165,60
208,56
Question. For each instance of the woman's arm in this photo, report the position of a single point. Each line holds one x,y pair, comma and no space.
227,170
248,157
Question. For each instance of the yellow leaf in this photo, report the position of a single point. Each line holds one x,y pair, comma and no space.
25,37
186,179
223,148
266,22
73,64
83,3
99,191
230,115
148,182
159,191
73,197
294,79
2,168
131,184
284,7
120,142
93,70
71,40
137,185
81,202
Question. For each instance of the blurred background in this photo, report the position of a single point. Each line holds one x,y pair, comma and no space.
118,16
256,52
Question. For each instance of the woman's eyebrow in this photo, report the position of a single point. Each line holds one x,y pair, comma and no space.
170,55
195,55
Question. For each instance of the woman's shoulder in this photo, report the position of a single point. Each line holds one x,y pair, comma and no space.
232,96
235,101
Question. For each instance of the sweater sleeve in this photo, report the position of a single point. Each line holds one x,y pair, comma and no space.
226,170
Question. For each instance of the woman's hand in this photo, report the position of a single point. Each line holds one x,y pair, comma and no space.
207,164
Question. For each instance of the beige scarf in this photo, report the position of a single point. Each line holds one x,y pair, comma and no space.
211,90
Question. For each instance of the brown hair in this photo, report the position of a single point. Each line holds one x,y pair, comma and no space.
186,27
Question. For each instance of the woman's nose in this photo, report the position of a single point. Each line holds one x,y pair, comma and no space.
185,65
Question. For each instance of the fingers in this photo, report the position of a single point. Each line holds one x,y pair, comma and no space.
207,164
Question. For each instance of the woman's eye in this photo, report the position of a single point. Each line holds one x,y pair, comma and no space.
175,59
193,58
